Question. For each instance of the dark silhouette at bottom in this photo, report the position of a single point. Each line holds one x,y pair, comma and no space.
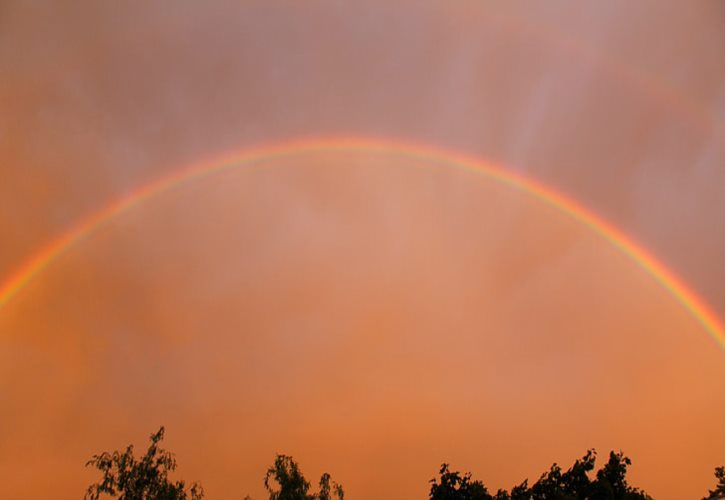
610,483
147,478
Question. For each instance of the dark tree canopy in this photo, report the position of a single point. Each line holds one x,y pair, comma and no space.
555,484
454,486
292,485
146,478
612,483
719,491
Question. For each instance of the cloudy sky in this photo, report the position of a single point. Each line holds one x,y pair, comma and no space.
371,314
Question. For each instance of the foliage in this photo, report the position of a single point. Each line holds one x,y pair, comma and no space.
611,482
147,478
292,484
329,488
555,484
144,479
719,491
454,486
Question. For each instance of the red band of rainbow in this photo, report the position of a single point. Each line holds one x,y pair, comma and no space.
49,253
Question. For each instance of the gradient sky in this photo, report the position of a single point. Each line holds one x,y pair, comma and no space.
370,315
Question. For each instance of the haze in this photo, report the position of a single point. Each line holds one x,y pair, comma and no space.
372,316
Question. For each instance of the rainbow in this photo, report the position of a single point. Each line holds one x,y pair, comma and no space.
44,257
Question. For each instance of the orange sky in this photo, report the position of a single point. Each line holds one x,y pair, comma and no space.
370,316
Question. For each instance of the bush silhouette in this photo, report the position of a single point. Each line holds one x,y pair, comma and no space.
574,484
292,485
146,478
719,491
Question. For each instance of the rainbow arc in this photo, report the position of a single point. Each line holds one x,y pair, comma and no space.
46,255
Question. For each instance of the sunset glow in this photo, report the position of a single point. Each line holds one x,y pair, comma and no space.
375,237
426,154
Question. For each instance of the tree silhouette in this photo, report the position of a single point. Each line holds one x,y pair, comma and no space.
719,491
612,483
147,478
292,485
574,484
454,486
329,488
144,479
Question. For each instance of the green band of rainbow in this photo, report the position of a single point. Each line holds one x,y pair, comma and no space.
46,255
